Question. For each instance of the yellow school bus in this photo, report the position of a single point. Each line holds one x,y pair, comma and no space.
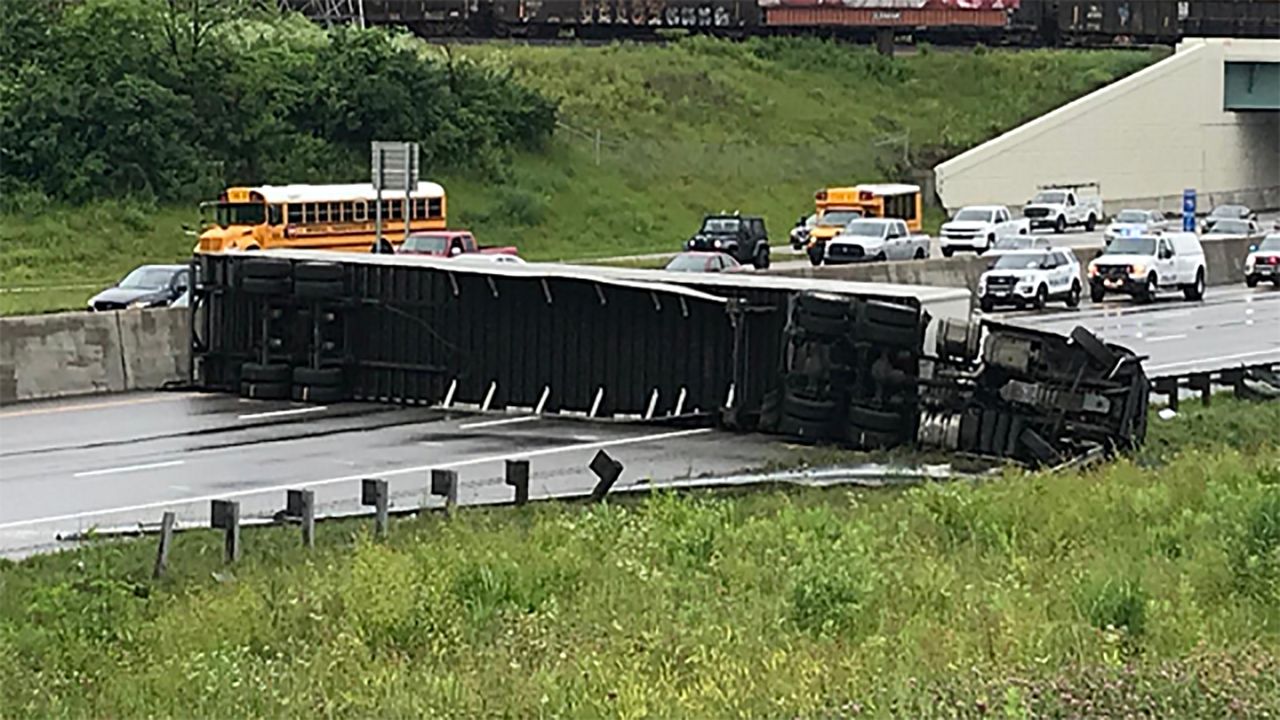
321,217
836,206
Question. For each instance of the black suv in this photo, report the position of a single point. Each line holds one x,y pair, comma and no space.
741,236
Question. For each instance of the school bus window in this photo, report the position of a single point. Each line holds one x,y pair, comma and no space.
434,208
294,213
346,211
273,214
361,213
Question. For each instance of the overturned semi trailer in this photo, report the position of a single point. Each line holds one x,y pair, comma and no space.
868,365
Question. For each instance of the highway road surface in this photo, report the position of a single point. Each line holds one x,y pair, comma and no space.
1233,325
69,466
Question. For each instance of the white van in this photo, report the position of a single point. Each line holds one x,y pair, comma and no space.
1145,265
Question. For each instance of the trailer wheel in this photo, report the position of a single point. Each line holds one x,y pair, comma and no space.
266,268
264,373
266,286
318,288
264,390
321,377
876,420
318,271
317,393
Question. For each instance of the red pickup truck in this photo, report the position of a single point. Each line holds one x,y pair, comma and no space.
448,243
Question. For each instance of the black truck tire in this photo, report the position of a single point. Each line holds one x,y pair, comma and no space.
891,314
268,373
318,377
808,409
876,420
824,304
264,390
317,393
318,288
266,286
265,268
316,270
761,259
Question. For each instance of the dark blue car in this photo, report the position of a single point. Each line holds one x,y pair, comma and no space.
147,286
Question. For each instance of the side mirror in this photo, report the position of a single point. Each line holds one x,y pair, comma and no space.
455,251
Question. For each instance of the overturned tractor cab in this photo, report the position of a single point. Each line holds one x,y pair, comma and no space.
855,372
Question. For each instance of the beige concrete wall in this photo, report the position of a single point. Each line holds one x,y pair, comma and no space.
1145,138
78,353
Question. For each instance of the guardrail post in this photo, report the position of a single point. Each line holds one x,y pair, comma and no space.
374,492
302,504
518,478
1202,383
444,483
608,470
225,514
1169,386
166,538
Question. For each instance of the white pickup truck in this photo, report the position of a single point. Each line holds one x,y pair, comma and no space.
870,239
1063,206
978,228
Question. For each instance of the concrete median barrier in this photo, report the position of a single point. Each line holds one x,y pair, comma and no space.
79,353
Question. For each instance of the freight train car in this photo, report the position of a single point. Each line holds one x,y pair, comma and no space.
994,22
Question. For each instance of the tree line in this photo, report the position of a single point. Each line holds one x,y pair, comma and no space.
172,99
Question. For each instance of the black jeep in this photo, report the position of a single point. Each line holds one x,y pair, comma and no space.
741,236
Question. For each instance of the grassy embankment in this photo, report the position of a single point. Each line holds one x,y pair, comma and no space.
687,128
1149,587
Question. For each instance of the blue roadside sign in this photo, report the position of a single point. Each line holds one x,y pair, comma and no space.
1189,209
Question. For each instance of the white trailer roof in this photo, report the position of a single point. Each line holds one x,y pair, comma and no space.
339,193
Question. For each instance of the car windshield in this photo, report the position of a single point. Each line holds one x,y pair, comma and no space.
1132,216
1270,244
227,214
1131,246
974,216
1015,242
147,278
1020,261
434,244
1050,197
1229,211
864,228
688,263
720,225
838,218
1230,227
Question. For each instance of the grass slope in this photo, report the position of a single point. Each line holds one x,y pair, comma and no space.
696,126
1149,588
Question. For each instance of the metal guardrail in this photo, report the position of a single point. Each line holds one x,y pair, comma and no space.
1205,381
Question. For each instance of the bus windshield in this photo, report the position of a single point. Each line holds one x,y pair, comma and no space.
838,218
226,214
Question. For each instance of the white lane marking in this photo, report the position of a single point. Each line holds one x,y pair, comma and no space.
1224,358
283,413
495,423
352,478
129,468
1162,338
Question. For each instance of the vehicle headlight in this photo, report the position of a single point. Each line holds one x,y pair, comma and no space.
1093,270
716,244
1137,269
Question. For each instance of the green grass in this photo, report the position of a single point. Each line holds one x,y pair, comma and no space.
1147,588
688,128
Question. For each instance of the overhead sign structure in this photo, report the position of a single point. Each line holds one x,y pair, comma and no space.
394,168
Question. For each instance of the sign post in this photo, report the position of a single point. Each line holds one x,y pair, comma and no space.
1189,210
395,167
